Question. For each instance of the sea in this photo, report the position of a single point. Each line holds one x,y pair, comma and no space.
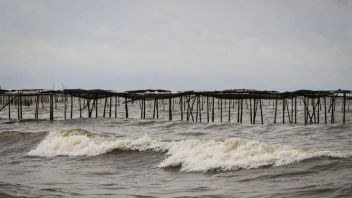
119,157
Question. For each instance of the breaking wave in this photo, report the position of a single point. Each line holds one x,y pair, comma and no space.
189,155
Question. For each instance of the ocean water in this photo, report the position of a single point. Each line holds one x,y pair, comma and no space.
118,157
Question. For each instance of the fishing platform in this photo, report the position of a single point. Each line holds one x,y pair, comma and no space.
315,106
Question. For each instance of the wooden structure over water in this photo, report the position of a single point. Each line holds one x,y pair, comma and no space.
196,106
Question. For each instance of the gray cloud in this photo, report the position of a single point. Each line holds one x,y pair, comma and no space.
178,45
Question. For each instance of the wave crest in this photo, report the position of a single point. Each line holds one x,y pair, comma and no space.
79,142
235,153
189,155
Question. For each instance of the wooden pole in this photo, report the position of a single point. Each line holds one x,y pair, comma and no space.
325,113
9,98
220,110
197,108
126,108
332,110
212,110
37,107
106,100
241,110
55,101
313,109
238,111
344,108
110,105
188,108
191,109
89,109
170,109
157,109
51,107
18,107
291,121
154,108
295,110
283,110
144,108
96,108
181,107
318,111
208,109
21,104
141,107
80,106
261,111
254,110
115,106
229,110
250,110
275,111
71,107
65,106
288,112
305,111
200,108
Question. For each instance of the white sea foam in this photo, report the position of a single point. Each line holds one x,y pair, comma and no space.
78,142
189,155
235,153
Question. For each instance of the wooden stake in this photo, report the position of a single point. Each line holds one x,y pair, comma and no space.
325,113
212,110
344,108
71,107
275,111
80,107
170,109
207,109
250,110
261,111
126,108
181,107
65,105
220,110
110,105
96,108
115,106
106,100
229,110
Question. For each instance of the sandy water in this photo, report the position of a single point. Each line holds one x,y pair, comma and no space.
135,158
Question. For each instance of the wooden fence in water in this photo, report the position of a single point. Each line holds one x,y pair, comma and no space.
318,106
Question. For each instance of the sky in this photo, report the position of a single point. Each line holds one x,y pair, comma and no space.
176,45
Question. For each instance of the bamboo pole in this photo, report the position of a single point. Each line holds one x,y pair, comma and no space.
71,107
80,107
126,108
212,110
170,110
96,108
181,107
110,105
325,112
250,110
207,108
275,111
261,111
229,119
220,110
65,106
344,108
115,106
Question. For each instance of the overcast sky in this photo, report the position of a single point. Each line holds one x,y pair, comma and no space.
177,45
